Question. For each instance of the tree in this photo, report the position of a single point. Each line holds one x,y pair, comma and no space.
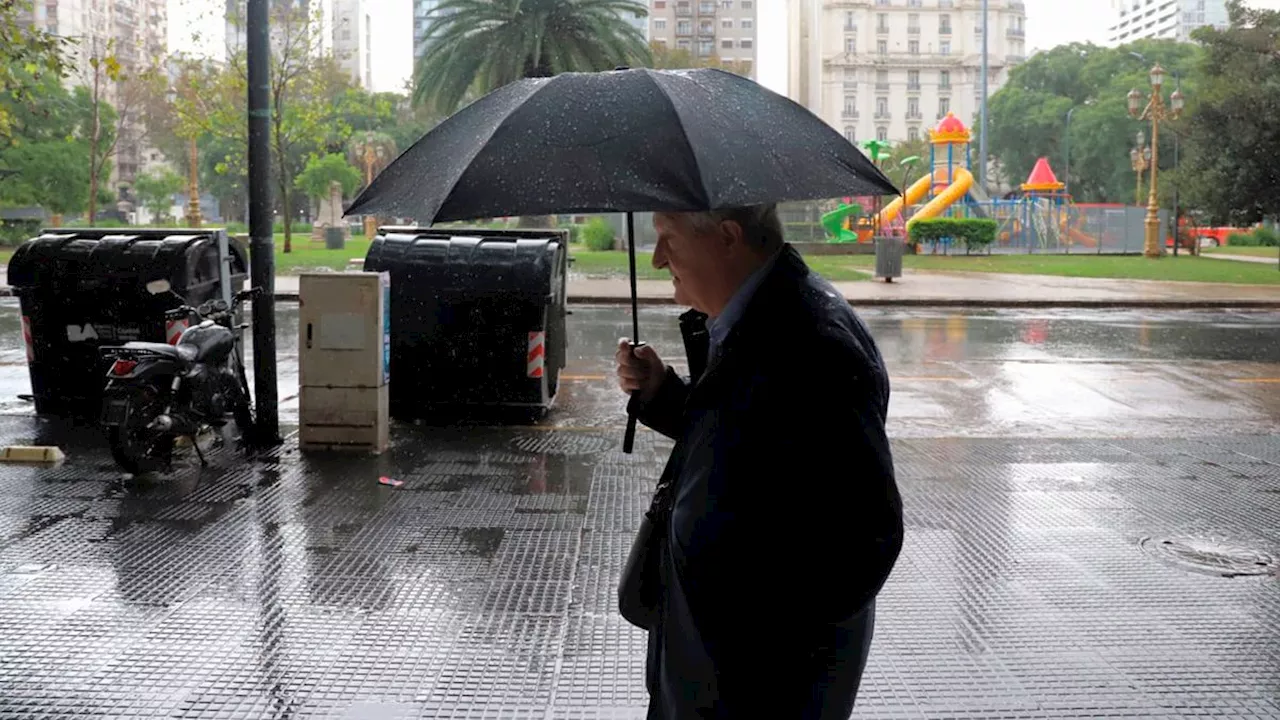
324,170
156,190
49,147
27,56
1232,140
1027,118
485,44
102,70
306,85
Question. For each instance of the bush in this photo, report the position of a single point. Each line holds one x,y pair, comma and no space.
973,233
16,232
1266,237
1239,239
597,234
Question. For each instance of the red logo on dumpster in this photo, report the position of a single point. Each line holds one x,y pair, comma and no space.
536,358
173,330
26,338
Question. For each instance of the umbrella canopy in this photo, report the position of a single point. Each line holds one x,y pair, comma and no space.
621,141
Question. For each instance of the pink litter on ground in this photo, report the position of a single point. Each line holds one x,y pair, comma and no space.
384,480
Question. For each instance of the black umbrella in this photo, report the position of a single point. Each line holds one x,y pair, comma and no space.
621,141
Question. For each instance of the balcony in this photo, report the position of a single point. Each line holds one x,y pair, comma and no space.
912,30
850,114
850,84
684,10
882,29
944,29
944,87
1015,33
684,32
707,32
946,3
882,86
1017,6
913,87
1014,59
914,115
884,115
850,27
707,9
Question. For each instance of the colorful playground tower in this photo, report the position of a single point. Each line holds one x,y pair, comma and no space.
1043,216
947,182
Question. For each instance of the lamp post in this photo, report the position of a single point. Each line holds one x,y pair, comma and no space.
193,182
1139,160
1156,111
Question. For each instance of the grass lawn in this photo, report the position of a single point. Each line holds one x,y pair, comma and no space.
308,253
1267,252
614,263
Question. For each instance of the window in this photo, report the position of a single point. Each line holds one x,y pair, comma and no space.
944,24
727,23
913,107
706,48
851,45
850,134
882,107
944,79
659,23
747,24
745,44
659,4
683,45
882,79
913,47
913,79
684,27
726,44
851,106
726,4
913,134
882,133
706,28
748,5
882,22
913,24
915,3
882,47
944,106
706,8
849,23
944,47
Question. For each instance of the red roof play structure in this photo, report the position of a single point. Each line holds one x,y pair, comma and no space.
1042,178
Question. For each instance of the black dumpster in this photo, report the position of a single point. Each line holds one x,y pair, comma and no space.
477,318
84,289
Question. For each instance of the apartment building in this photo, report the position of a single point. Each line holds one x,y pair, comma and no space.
890,69
723,29
353,40
1168,19
134,31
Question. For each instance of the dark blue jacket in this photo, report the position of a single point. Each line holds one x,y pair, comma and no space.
786,520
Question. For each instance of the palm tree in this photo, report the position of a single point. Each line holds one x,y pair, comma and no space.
482,45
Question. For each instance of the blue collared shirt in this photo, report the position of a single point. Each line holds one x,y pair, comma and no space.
719,326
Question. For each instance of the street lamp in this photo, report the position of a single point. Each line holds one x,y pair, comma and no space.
1156,112
193,183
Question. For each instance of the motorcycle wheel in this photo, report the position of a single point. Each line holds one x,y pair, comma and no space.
137,448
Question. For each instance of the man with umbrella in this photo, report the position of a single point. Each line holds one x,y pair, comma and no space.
783,518
777,518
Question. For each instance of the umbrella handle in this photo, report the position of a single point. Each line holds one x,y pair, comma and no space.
629,439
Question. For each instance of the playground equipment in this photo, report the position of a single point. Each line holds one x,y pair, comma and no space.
838,223
948,181
1042,216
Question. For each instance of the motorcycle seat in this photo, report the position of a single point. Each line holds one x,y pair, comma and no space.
183,353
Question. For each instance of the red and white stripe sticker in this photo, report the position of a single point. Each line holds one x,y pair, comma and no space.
173,330
26,338
536,358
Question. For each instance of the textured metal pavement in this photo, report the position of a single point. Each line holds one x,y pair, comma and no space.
1040,579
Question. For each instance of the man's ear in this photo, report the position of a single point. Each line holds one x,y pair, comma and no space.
731,234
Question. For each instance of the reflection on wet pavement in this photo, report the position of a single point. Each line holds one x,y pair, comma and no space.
1091,502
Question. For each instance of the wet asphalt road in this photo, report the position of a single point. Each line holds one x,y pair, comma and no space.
1091,501
955,373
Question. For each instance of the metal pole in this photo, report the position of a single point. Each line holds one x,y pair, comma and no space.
261,243
628,439
982,130
1177,180
1066,146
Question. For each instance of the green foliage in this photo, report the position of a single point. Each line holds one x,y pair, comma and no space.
1259,237
1027,118
597,234
973,233
50,146
481,45
669,58
1232,137
155,190
28,57
322,170
16,232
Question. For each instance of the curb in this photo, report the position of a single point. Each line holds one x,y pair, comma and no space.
939,303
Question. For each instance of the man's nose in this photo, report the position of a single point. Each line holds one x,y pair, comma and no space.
659,256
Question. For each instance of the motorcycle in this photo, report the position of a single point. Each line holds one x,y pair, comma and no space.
157,392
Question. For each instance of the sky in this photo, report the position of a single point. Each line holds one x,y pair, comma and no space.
1049,23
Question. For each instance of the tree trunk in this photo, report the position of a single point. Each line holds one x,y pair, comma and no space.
94,139
535,221
286,182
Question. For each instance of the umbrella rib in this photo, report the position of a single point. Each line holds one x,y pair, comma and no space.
684,133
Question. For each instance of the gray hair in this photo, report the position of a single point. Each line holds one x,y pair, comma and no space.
761,226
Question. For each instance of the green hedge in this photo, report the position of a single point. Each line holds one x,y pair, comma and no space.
15,232
973,233
597,234
1259,237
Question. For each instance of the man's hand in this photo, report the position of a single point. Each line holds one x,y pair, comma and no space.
640,370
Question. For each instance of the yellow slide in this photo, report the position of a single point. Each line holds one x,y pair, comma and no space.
962,180
918,189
